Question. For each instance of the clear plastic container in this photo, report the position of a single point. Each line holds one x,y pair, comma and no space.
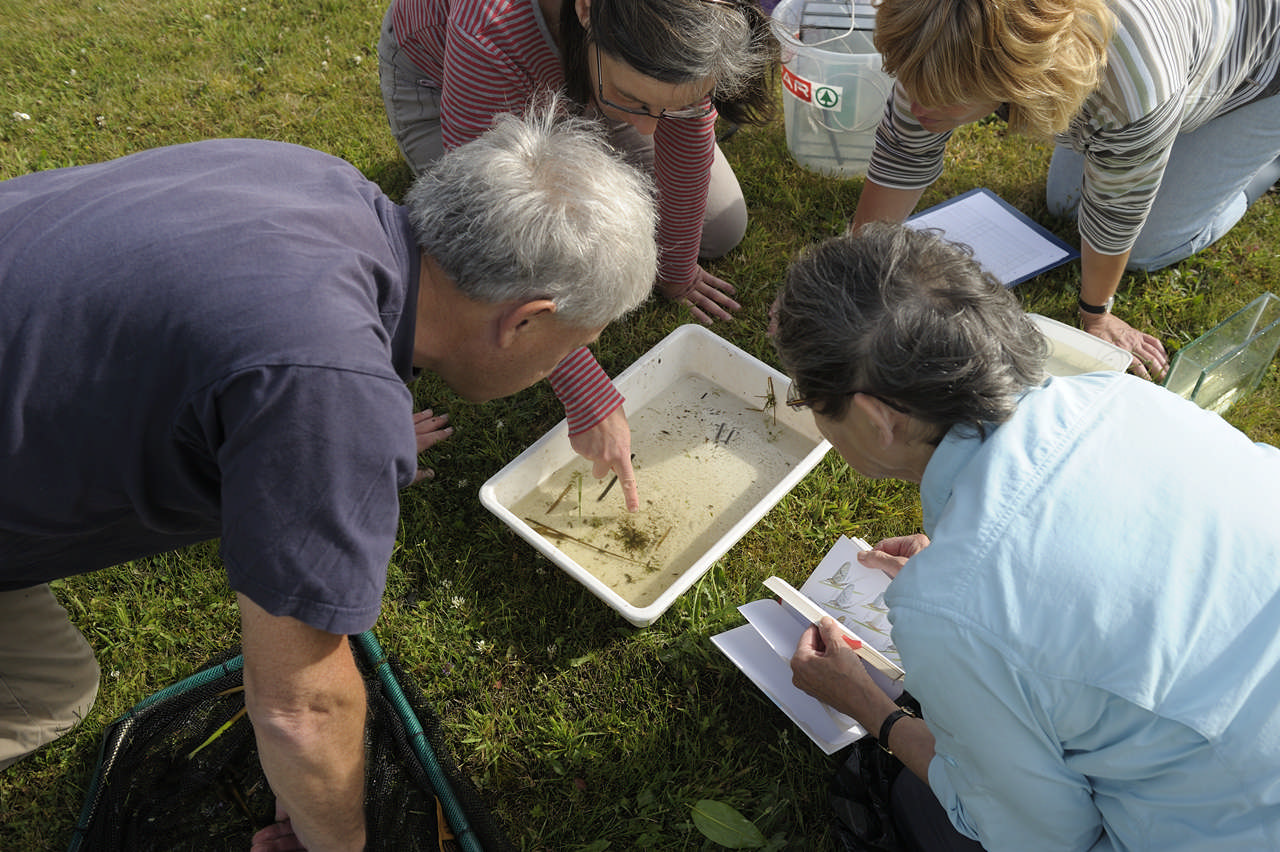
833,91
1228,360
1073,351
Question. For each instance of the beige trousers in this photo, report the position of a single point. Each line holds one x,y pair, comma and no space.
48,674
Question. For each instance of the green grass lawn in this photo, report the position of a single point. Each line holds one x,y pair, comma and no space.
584,732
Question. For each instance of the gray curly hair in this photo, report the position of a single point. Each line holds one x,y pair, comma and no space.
908,317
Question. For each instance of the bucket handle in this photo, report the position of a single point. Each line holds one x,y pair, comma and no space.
784,33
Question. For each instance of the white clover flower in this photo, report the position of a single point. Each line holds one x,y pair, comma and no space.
481,645
457,601
21,116
357,59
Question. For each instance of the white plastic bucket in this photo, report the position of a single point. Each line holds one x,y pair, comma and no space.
833,91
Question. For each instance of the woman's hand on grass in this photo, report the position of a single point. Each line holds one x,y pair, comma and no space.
1150,361
709,299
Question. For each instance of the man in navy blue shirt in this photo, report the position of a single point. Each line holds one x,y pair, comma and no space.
212,341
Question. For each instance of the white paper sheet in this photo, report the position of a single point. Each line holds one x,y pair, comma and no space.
762,648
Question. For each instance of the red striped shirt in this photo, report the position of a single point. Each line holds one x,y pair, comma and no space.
492,56
583,386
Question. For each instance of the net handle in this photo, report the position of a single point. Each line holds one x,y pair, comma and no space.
458,822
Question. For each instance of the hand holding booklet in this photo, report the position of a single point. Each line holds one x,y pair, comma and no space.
762,648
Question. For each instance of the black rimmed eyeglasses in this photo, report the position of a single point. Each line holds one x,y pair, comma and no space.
700,111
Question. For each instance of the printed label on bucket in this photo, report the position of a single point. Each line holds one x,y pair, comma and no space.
820,95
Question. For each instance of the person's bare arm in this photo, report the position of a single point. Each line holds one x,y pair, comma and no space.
306,699
831,672
1099,279
881,204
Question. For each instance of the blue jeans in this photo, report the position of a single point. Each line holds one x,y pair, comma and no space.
1213,175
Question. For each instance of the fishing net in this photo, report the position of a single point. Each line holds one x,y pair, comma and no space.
179,771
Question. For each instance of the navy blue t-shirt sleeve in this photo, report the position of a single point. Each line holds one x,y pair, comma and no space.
312,461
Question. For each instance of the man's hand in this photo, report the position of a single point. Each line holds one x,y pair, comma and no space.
1150,361
608,445
429,430
709,299
277,837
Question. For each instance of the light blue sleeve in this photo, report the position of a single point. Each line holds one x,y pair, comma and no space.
999,770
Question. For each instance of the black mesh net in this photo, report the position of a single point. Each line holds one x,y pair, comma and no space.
164,781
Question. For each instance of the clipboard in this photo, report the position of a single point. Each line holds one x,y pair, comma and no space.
1004,240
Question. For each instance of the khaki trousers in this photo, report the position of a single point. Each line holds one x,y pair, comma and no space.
48,674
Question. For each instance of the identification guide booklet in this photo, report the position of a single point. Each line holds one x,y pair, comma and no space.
762,648
1005,241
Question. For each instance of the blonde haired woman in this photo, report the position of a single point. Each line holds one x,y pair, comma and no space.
1164,114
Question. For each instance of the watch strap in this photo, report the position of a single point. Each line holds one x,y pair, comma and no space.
887,725
1104,308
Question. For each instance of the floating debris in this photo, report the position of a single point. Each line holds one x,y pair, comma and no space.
563,494
560,535
607,488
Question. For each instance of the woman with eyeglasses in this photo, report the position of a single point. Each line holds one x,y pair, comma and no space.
1088,616
657,72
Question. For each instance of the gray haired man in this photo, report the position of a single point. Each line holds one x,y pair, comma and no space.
213,340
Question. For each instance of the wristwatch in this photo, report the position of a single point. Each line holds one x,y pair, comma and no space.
887,725
1104,308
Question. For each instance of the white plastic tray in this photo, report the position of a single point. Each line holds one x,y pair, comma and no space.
1073,351
689,356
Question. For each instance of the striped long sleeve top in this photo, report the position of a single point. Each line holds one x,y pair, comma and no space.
1172,66
492,56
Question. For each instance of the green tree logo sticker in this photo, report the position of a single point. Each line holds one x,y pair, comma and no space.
826,97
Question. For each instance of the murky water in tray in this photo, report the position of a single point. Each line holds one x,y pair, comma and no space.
703,457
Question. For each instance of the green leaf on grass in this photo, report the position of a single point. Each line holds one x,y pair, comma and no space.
724,825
